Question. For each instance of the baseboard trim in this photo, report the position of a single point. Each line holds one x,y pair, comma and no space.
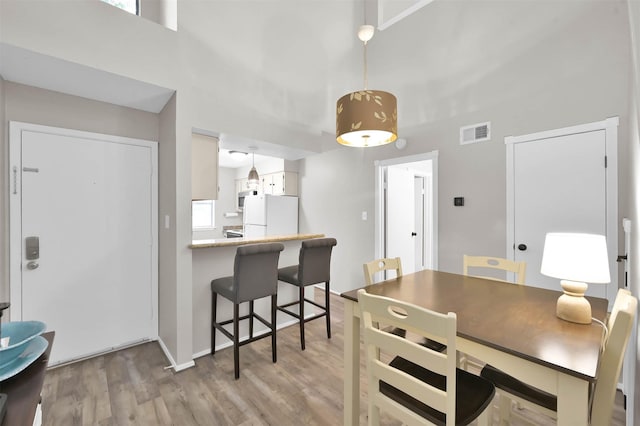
172,362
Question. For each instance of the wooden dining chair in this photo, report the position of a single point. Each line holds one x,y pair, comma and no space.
419,386
393,264
476,263
496,263
378,265
619,327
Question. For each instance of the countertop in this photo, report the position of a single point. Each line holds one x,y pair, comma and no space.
230,242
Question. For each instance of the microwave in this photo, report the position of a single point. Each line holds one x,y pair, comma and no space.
242,195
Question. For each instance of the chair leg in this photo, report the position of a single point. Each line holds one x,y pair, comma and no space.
236,341
251,319
274,309
302,317
214,303
327,308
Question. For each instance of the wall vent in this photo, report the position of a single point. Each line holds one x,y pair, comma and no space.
475,133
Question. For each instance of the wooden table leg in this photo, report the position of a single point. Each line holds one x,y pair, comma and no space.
573,401
351,364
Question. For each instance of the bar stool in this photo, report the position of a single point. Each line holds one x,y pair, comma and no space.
255,275
313,268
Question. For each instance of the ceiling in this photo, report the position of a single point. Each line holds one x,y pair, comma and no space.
304,55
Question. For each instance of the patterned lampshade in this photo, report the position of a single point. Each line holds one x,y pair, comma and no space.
367,118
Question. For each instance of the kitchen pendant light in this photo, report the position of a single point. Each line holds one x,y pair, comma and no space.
366,117
253,179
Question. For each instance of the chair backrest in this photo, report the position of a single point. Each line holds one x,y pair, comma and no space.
378,312
386,264
255,270
315,260
519,268
622,319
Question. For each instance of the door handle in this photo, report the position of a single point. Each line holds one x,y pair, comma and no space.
522,247
413,234
32,265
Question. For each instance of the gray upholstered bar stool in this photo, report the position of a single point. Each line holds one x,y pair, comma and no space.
255,275
313,268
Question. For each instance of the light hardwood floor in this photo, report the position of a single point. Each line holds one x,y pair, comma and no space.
132,386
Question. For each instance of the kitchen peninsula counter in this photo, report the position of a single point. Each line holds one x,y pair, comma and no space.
227,242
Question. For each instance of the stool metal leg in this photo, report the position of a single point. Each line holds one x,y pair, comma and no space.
302,317
236,340
327,309
214,303
274,310
251,319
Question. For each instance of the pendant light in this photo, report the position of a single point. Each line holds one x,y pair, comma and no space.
253,179
366,117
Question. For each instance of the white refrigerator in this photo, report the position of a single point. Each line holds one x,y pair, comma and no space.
266,214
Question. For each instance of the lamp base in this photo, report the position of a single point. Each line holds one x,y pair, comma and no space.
572,306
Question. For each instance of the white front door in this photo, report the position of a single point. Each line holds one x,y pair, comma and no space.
400,216
91,201
560,184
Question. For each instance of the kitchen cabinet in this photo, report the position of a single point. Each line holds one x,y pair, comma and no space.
204,167
279,183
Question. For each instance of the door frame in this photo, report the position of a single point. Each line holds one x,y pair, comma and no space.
380,217
610,126
15,208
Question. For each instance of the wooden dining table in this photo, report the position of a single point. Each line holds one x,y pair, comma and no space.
512,327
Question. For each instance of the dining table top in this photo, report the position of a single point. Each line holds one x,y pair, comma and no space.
517,319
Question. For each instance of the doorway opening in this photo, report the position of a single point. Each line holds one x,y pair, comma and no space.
406,210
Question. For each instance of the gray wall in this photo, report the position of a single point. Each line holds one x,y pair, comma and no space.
167,274
577,74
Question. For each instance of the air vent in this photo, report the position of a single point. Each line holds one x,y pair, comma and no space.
475,133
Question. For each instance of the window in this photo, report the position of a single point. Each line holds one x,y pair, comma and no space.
203,214
131,6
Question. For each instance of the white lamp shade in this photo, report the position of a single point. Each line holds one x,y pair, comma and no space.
576,257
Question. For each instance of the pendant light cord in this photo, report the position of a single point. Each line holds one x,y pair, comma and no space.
366,77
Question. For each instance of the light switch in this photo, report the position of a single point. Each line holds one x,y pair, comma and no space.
167,221
364,215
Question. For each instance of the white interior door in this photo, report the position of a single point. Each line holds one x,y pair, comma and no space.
420,221
400,215
91,201
560,184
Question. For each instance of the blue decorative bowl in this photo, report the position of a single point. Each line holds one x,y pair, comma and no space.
19,333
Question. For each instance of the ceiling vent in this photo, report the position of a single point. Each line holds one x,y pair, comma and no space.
475,133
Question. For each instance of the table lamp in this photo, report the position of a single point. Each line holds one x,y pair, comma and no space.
576,259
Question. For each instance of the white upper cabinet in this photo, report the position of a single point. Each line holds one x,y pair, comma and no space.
280,183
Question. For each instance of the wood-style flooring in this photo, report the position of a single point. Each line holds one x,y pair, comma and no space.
133,387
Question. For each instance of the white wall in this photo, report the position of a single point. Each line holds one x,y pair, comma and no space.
633,190
226,202
4,203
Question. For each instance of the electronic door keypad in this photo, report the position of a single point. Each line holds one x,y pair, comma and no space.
32,245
